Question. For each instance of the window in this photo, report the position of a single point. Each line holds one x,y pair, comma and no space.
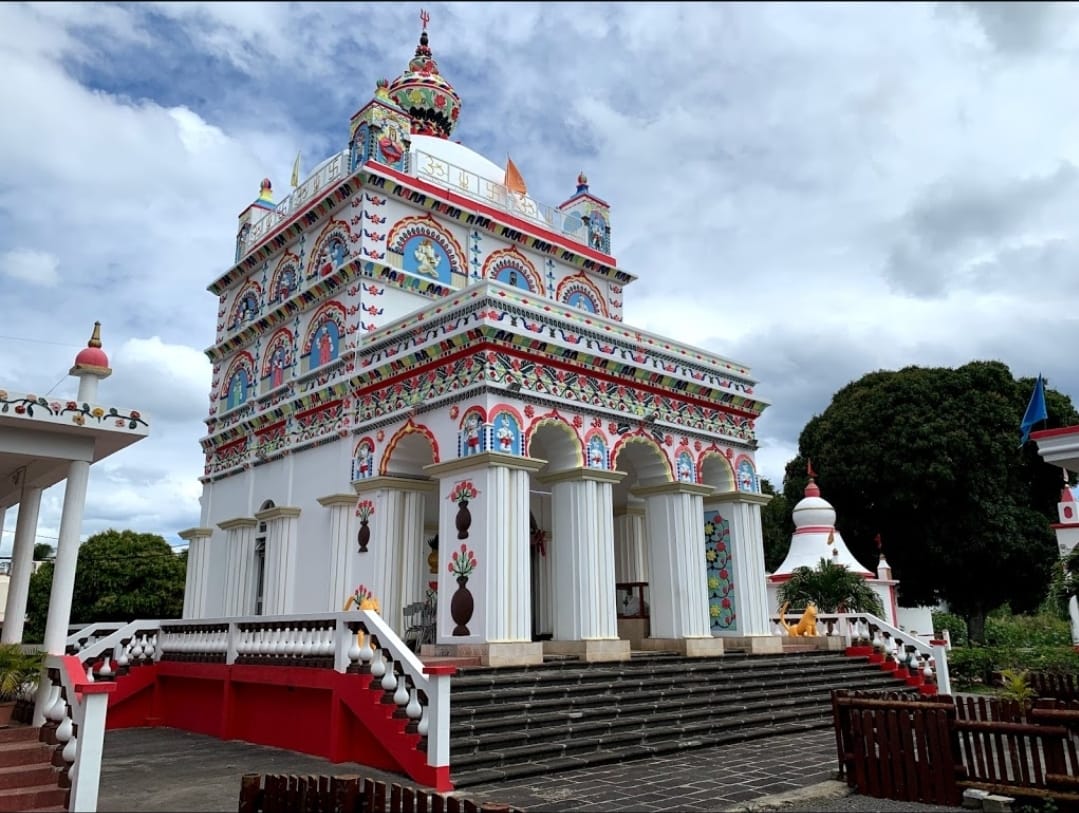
260,560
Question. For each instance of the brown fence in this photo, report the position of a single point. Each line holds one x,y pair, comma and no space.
1060,687
931,749
278,793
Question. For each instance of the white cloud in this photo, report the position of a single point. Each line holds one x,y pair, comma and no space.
816,191
28,265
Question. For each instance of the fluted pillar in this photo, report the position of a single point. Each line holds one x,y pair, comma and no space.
343,549
22,564
196,582
582,554
241,573
279,586
742,511
486,608
396,558
630,546
678,587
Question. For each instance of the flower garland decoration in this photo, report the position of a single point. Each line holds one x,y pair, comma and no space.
79,412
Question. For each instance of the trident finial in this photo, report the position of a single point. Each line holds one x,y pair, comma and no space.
425,18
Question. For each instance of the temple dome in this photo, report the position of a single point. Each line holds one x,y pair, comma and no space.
92,357
812,509
423,93
815,537
459,156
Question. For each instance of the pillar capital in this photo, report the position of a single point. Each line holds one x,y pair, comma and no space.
237,522
747,497
192,534
484,460
277,512
330,500
395,483
583,473
692,489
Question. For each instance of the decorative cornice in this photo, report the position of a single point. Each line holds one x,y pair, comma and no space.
237,522
583,473
392,483
484,460
739,496
192,534
693,489
333,500
277,512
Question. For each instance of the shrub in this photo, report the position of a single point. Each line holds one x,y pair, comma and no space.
956,626
1022,631
970,665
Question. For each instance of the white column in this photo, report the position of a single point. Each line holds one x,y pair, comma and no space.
678,584
196,582
509,557
279,591
22,563
342,549
1073,614
544,596
397,556
67,553
240,572
742,510
630,548
582,554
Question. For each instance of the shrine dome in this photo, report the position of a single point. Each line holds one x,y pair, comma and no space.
423,93
813,510
92,357
815,537
460,156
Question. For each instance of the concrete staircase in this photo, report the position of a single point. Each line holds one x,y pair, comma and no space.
28,779
566,714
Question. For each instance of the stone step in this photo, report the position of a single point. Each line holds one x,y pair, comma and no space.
31,798
17,776
716,697
465,697
466,772
24,753
18,733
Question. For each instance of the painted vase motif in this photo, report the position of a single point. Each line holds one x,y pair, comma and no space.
464,519
461,607
364,536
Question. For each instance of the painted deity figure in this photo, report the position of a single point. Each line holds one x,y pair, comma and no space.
595,453
505,434
325,346
427,258
472,434
685,471
277,367
390,145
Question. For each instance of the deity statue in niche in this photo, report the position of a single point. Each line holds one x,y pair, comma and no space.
427,258
505,434
279,361
389,144
472,434
325,344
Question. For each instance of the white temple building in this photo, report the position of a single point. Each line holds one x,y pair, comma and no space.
409,347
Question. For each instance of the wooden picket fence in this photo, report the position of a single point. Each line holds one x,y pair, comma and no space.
1060,687
280,793
929,750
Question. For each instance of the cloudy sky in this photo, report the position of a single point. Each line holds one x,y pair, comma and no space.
817,191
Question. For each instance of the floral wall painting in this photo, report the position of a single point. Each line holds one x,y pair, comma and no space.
463,564
507,434
462,492
718,566
364,510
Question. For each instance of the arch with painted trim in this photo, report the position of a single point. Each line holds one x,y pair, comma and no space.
277,360
597,450
239,381
331,317
510,266
412,447
714,469
331,248
577,290
247,304
285,279
419,227
745,474
507,427
559,455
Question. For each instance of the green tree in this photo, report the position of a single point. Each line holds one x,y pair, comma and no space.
120,576
42,551
929,459
832,587
776,527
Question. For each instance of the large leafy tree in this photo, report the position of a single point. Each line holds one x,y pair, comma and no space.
120,576
776,527
929,458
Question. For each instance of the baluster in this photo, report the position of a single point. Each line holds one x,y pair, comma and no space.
65,729
355,651
389,680
401,696
277,646
90,671
422,726
58,708
326,642
69,752
288,642
106,670
414,710
307,644
378,665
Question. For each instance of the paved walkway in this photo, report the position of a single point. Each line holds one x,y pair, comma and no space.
154,769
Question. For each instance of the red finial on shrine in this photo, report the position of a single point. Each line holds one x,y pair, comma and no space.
425,18
809,468
877,540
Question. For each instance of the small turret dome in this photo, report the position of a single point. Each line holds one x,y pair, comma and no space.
425,95
813,509
92,357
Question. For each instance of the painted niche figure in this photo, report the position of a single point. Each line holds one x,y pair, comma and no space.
505,434
473,433
685,471
325,346
427,258
277,370
390,145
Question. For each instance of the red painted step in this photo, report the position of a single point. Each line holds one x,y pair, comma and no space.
21,776
31,798
18,733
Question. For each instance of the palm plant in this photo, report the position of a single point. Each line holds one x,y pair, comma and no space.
19,670
833,588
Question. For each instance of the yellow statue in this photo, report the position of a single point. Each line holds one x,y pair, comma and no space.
363,601
807,624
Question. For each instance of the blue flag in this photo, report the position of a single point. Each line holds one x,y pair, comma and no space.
1035,411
